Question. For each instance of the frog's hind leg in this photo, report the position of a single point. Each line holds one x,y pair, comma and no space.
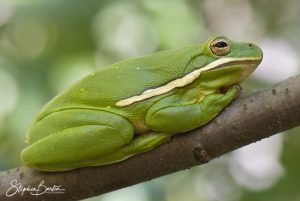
77,135
138,145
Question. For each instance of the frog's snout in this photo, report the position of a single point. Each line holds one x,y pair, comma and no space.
256,51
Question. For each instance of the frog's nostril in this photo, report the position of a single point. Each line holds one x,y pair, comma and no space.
250,44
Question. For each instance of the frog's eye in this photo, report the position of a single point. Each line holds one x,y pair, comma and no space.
220,47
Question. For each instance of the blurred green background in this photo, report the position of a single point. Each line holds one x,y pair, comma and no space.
46,45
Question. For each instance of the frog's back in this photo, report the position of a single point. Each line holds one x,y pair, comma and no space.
121,80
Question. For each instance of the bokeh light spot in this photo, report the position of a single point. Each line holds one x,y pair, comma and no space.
8,92
257,166
7,11
280,61
29,37
121,29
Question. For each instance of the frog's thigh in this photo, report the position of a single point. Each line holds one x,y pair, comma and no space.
138,145
166,116
67,148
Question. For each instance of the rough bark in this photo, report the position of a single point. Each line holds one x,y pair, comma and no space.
245,121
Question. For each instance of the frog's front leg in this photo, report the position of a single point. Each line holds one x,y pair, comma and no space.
175,115
79,135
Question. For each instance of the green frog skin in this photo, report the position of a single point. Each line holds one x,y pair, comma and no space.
135,105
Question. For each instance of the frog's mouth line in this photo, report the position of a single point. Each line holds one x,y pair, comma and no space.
227,62
187,79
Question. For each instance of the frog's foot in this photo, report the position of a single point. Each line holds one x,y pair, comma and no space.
223,90
238,88
138,145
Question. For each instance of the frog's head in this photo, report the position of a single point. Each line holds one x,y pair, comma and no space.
226,62
217,64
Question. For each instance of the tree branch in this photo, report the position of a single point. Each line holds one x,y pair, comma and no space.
246,120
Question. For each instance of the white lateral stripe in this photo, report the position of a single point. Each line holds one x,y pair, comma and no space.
180,82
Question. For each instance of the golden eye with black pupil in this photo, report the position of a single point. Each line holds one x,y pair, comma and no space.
220,47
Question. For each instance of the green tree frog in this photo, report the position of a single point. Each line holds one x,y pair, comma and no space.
135,105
